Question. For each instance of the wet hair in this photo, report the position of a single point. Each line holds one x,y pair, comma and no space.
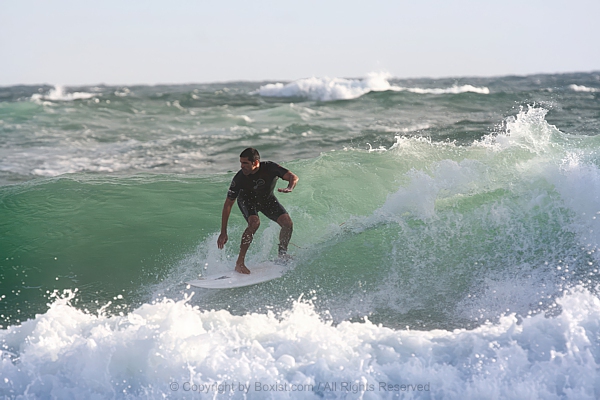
251,154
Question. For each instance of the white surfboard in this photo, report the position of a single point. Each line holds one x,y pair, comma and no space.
259,273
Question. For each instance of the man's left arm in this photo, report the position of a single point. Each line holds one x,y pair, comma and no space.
292,179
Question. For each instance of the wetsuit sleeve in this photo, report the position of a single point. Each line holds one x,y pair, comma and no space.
234,188
277,169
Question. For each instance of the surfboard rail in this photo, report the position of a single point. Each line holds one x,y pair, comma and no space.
262,272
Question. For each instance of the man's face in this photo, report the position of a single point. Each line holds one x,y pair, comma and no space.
248,167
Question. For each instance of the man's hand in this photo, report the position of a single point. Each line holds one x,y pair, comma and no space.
224,218
222,240
292,179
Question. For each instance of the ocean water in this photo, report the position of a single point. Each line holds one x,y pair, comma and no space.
446,240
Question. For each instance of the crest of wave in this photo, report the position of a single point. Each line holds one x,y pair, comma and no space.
451,90
581,88
59,93
328,89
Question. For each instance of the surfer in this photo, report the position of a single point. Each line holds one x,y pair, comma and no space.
253,187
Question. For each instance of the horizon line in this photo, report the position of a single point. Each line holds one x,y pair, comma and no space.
216,82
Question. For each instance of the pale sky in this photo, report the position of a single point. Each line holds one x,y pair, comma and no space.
73,42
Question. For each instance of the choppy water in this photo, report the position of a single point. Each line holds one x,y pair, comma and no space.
445,236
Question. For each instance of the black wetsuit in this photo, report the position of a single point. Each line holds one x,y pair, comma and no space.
254,192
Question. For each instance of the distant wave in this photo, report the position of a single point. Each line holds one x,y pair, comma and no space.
329,89
451,90
580,88
59,94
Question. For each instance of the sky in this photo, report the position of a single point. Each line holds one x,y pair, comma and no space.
79,42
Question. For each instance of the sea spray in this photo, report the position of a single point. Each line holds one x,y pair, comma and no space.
173,349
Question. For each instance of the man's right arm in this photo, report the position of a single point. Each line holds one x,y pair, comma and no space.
224,219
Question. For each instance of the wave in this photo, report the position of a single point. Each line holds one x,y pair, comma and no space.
433,235
451,90
173,349
59,93
79,153
581,88
329,89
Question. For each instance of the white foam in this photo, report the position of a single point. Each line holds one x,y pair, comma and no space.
328,89
171,349
59,94
581,88
77,154
451,90
242,118
419,196
578,183
528,130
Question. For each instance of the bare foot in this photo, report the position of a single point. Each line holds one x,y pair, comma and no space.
241,268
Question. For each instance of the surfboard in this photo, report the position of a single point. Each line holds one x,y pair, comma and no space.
259,273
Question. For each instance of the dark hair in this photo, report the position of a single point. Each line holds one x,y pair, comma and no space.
251,154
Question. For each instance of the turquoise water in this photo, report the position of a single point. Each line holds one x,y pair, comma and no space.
431,216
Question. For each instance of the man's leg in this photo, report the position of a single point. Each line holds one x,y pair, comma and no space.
287,227
247,236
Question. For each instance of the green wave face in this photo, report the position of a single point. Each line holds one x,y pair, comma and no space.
424,233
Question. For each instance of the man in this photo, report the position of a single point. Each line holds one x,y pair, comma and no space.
253,187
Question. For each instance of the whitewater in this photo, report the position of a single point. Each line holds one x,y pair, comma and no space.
445,244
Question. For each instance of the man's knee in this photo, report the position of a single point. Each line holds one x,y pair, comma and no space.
253,222
285,221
